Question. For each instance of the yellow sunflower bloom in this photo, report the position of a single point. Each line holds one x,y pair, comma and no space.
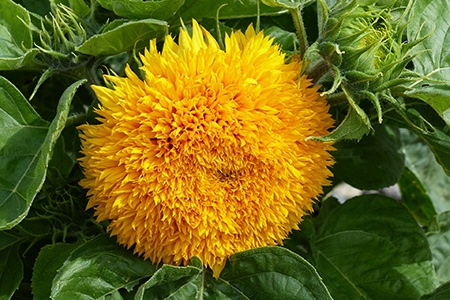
208,155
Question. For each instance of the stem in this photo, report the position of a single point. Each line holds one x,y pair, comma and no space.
337,98
318,69
258,21
202,286
301,32
219,32
91,72
93,7
75,120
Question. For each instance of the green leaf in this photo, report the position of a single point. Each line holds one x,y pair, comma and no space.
415,197
422,163
35,226
99,268
292,4
24,60
372,248
356,123
48,262
422,122
40,7
15,34
274,273
435,47
7,239
26,143
373,163
78,6
138,9
63,160
299,241
16,38
439,238
234,9
436,95
439,144
353,127
46,75
174,283
191,282
434,58
11,272
262,273
287,40
127,36
441,293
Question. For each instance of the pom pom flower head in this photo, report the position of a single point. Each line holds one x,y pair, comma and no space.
208,155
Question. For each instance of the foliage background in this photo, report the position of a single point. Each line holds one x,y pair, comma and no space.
392,129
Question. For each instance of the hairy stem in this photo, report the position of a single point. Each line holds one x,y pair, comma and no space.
301,32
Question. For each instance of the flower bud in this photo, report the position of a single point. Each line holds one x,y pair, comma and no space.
369,40
60,34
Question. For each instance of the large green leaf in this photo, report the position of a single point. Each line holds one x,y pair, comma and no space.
234,9
138,9
173,282
422,163
127,36
99,268
7,239
434,58
49,261
286,39
262,273
439,238
274,273
26,143
373,163
439,144
78,6
415,197
11,272
35,226
16,38
441,293
40,7
370,247
422,121
191,282
24,60
292,4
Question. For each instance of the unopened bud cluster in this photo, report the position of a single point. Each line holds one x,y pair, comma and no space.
60,34
365,42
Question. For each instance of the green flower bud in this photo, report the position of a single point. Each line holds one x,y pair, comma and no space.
362,56
369,40
61,33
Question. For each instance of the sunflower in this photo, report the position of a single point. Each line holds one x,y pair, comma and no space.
209,154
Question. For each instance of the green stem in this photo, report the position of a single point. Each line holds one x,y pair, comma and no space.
318,69
301,32
75,120
202,286
90,73
93,8
258,20
337,98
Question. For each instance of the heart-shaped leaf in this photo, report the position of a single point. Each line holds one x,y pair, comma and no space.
370,247
26,143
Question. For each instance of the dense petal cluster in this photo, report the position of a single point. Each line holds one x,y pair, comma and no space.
208,155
